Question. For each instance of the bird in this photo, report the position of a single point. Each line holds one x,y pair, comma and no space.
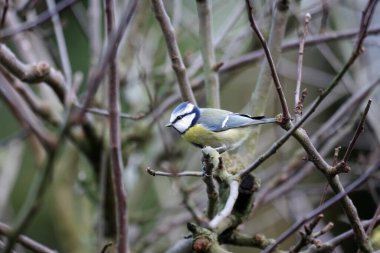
220,129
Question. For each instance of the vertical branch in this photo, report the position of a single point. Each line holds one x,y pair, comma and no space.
94,30
276,35
358,130
297,105
4,14
116,156
210,160
272,51
207,49
173,49
64,57
97,73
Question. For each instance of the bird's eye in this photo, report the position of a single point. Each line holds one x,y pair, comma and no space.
179,117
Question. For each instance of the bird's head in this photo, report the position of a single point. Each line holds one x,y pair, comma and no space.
184,116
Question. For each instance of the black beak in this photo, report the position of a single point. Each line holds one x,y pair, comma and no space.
169,124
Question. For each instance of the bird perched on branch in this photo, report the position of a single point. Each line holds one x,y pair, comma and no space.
219,129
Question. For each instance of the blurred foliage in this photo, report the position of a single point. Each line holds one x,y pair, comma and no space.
73,216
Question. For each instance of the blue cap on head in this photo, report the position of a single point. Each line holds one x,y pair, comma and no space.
183,113
182,107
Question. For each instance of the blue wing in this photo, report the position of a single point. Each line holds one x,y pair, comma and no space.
220,120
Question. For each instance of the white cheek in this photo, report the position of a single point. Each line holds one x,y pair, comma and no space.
183,124
189,108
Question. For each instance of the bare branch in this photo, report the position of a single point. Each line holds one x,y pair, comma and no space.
285,109
40,72
358,130
204,8
297,105
43,17
173,49
171,174
358,182
115,139
207,177
24,115
60,38
26,241
97,74
293,44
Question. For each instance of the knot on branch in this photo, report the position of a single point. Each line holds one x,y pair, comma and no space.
37,73
201,245
299,107
217,66
203,239
341,167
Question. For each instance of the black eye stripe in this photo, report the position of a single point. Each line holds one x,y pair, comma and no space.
179,117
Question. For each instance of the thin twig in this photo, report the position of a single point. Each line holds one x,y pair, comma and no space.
25,116
190,206
342,166
351,103
94,16
26,241
307,235
36,195
358,130
38,106
320,163
297,105
284,106
105,247
62,48
207,49
358,182
372,224
124,115
255,55
290,44
284,182
4,14
97,74
224,28
171,174
173,50
43,17
115,139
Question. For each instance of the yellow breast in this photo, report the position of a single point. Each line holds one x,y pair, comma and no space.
231,139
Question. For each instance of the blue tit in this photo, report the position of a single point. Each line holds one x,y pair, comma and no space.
219,129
